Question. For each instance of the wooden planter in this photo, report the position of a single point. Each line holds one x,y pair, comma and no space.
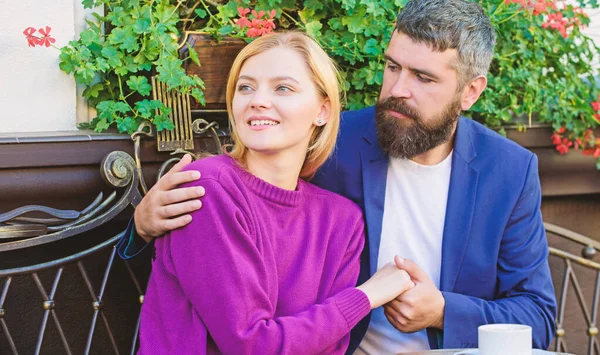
216,59
560,175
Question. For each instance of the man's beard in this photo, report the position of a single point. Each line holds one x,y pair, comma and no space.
408,137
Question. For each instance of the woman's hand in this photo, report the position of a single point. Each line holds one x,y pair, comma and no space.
386,284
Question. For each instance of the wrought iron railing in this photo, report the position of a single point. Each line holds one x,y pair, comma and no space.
34,228
571,283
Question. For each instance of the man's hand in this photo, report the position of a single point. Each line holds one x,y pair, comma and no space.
167,207
418,308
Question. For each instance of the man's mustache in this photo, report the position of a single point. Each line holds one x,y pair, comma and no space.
400,106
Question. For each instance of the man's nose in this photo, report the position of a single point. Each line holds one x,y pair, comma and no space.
401,87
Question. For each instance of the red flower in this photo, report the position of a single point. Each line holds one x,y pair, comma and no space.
563,147
32,40
253,32
597,153
46,39
242,22
561,130
596,105
556,138
243,12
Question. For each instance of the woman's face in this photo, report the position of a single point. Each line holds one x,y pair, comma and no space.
276,105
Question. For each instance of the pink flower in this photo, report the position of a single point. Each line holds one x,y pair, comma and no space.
243,22
46,39
32,40
243,12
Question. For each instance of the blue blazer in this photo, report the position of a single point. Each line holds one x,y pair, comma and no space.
494,249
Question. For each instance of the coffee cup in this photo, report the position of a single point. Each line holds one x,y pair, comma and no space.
504,339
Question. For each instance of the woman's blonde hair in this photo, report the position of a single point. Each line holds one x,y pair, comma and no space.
326,78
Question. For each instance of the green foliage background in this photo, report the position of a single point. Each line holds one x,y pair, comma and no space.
536,73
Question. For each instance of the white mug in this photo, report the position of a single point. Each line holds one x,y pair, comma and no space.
504,339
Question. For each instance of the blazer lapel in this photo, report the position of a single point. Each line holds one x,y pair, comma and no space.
460,206
374,173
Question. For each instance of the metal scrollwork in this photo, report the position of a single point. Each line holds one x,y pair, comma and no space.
201,126
117,169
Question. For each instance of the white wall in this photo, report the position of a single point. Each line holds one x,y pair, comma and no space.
35,95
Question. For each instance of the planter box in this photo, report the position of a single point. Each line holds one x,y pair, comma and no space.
560,175
216,59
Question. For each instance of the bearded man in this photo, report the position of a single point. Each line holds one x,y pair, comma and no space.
458,201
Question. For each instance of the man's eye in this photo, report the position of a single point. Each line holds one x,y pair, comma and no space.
393,67
423,79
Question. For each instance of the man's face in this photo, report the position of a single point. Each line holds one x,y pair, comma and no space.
418,105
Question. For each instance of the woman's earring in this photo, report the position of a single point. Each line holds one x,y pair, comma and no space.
319,121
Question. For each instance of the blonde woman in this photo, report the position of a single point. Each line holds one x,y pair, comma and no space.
269,264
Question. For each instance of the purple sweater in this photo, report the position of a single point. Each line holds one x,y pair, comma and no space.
259,270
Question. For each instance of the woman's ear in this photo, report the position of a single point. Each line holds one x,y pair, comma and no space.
324,112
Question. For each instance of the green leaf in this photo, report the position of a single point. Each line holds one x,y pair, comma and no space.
89,36
225,30
146,108
372,47
113,55
200,13
141,26
101,125
139,84
193,55
66,63
127,124
313,28
93,91
167,16
163,122
87,4
170,71
102,65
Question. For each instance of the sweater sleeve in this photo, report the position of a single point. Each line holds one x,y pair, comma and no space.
221,271
347,275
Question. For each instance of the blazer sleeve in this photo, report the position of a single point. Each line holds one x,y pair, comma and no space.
525,293
221,272
130,244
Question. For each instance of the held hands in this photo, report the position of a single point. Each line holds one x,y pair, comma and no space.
418,308
387,283
167,207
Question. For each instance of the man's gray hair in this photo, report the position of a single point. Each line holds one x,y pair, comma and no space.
452,24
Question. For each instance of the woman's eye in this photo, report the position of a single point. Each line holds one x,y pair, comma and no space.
283,88
244,87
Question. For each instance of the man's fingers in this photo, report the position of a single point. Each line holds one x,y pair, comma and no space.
182,194
413,270
174,223
394,304
175,179
177,209
181,164
394,317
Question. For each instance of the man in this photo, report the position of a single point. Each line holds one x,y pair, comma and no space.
459,202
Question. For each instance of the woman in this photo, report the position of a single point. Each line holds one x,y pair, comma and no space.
269,264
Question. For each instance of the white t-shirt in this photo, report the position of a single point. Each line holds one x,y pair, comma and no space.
413,225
